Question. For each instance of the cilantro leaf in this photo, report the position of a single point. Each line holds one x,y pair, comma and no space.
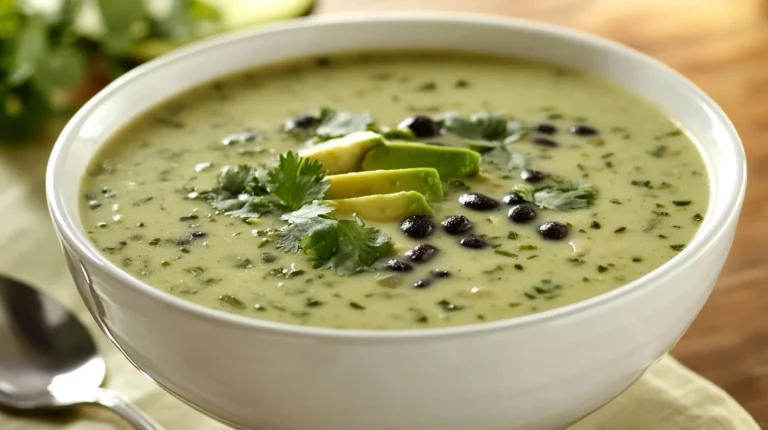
515,131
482,146
517,161
341,124
328,124
563,196
182,22
292,236
307,212
237,180
321,242
297,181
120,19
246,206
31,46
358,248
480,126
566,198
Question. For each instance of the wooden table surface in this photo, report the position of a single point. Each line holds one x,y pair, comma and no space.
722,46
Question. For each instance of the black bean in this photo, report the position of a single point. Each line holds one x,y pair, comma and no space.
422,283
417,226
532,176
441,273
583,130
304,121
421,253
543,141
553,230
513,199
457,224
399,266
521,214
473,242
478,202
544,128
421,126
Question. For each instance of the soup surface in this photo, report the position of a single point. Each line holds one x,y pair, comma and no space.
625,188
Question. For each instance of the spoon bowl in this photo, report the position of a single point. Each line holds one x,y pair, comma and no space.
48,359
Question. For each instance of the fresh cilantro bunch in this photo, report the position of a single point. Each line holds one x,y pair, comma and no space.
346,246
248,192
48,58
560,195
294,187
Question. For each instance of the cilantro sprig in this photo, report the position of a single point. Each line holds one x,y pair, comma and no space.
294,188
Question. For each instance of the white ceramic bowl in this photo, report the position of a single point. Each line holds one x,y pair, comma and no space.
543,371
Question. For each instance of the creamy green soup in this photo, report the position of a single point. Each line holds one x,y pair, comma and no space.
625,187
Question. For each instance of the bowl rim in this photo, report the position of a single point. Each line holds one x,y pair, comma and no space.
708,233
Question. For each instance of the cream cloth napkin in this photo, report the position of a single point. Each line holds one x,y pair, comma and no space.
668,397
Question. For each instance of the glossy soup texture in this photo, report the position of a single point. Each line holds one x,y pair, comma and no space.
652,191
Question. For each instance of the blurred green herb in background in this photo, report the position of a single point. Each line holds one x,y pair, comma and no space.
49,58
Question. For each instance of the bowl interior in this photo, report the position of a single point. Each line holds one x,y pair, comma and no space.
170,75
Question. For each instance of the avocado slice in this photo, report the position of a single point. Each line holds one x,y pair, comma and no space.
343,154
449,162
425,180
384,207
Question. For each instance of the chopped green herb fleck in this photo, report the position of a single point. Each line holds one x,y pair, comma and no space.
620,230
458,185
616,201
449,306
231,300
644,184
698,218
677,247
514,304
595,225
602,269
504,253
355,305
527,247
636,259
312,302
427,86
512,235
519,266
659,151
681,202
268,257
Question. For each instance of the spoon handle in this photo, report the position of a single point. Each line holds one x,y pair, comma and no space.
130,413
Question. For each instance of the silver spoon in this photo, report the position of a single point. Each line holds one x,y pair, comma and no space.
49,361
